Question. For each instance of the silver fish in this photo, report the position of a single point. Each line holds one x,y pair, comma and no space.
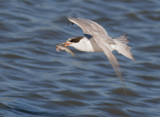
63,47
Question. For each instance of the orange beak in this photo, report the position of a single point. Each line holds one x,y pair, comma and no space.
67,44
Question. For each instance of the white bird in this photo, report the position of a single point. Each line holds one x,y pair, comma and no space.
96,39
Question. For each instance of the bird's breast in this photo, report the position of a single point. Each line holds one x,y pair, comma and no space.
84,45
87,47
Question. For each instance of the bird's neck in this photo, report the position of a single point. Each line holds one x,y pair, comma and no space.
84,45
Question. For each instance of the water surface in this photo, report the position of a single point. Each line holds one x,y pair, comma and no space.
37,81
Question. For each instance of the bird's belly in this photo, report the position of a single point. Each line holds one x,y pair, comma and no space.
86,48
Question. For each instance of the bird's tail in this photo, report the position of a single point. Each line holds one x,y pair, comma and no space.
122,47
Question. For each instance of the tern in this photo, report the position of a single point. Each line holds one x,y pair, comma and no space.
96,39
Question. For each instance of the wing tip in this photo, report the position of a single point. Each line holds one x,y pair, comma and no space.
69,17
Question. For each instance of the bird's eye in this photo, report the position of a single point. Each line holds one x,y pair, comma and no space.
72,40
75,39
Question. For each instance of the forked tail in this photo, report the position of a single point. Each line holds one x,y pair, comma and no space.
122,47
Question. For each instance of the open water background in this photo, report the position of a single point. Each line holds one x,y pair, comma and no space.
37,81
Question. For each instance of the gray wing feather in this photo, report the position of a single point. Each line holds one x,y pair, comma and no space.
88,26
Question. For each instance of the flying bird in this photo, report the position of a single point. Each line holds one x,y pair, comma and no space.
96,39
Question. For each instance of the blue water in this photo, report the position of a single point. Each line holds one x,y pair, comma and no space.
37,81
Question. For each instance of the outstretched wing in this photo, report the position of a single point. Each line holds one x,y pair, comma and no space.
101,37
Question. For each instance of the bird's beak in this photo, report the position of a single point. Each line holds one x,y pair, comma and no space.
66,44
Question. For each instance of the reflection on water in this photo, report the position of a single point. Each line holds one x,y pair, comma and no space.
38,81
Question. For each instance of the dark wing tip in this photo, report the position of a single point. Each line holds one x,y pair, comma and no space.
70,20
69,17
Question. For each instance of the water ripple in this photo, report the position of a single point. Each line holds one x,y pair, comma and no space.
36,80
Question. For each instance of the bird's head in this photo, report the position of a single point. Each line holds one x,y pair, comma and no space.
72,41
